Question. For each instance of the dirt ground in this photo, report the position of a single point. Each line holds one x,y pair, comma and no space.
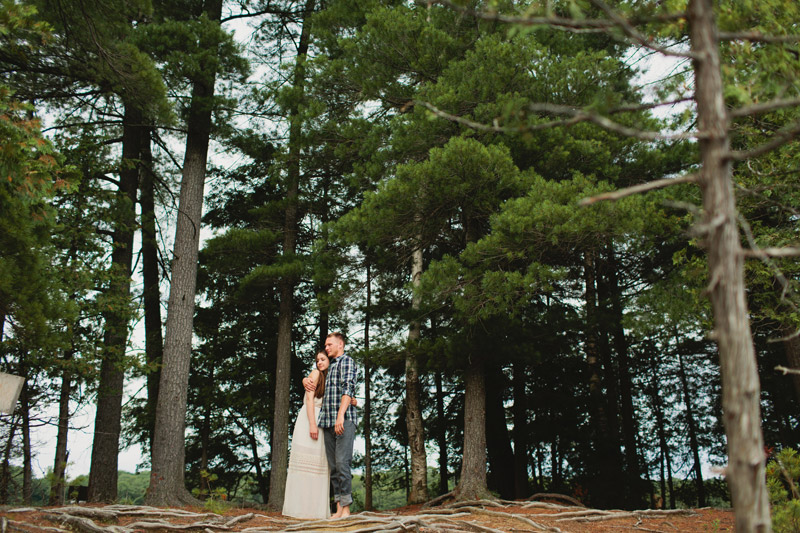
480,516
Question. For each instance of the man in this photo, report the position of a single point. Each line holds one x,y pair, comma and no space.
337,419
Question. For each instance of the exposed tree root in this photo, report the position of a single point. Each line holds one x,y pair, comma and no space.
475,516
555,496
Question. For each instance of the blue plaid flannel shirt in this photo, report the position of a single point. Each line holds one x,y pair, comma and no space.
341,380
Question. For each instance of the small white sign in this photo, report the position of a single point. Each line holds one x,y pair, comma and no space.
10,387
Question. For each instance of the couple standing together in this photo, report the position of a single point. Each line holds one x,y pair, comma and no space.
329,405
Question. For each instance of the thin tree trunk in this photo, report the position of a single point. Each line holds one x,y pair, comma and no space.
521,485
263,486
5,468
416,432
107,422
151,294
280,425
27,467
658,408
60,463
740,386
442,437
692,426
167,485
368,505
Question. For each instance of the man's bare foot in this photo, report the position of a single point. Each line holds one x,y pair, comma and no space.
337,514
345,512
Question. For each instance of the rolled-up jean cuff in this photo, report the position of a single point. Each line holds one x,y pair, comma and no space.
345,499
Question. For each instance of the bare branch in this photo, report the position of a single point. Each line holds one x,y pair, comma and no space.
772,252
578,115
755,36
785,370
765,107
561,23
636,189
781,137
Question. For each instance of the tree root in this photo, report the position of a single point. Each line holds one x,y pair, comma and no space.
555,496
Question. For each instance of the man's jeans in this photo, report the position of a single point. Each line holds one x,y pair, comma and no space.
339,450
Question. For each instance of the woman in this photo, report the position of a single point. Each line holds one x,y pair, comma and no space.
307,484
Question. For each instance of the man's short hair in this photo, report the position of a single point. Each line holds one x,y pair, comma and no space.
336,334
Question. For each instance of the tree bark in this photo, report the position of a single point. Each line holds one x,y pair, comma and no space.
740,385
60,463
665,459
416,432
280,426
472,484
498,442
154,342
107,422
521,485
167,485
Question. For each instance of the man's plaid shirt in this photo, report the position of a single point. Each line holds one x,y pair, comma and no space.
341,380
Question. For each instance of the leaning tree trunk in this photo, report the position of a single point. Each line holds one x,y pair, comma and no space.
740,385
167,487
107,422
416,432
280,425
498,441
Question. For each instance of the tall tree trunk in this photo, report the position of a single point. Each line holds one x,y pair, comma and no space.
60,463
167,486
605,487
280,425
107,422
368,505
442,436
472,483
416,432
635,496
27,467
521,486
153,343
740,386
692,426
498,441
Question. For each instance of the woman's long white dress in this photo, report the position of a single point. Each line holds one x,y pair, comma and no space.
308,481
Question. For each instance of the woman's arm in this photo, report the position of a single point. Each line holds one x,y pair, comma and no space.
313,431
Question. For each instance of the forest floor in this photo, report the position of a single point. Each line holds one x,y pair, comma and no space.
482,516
